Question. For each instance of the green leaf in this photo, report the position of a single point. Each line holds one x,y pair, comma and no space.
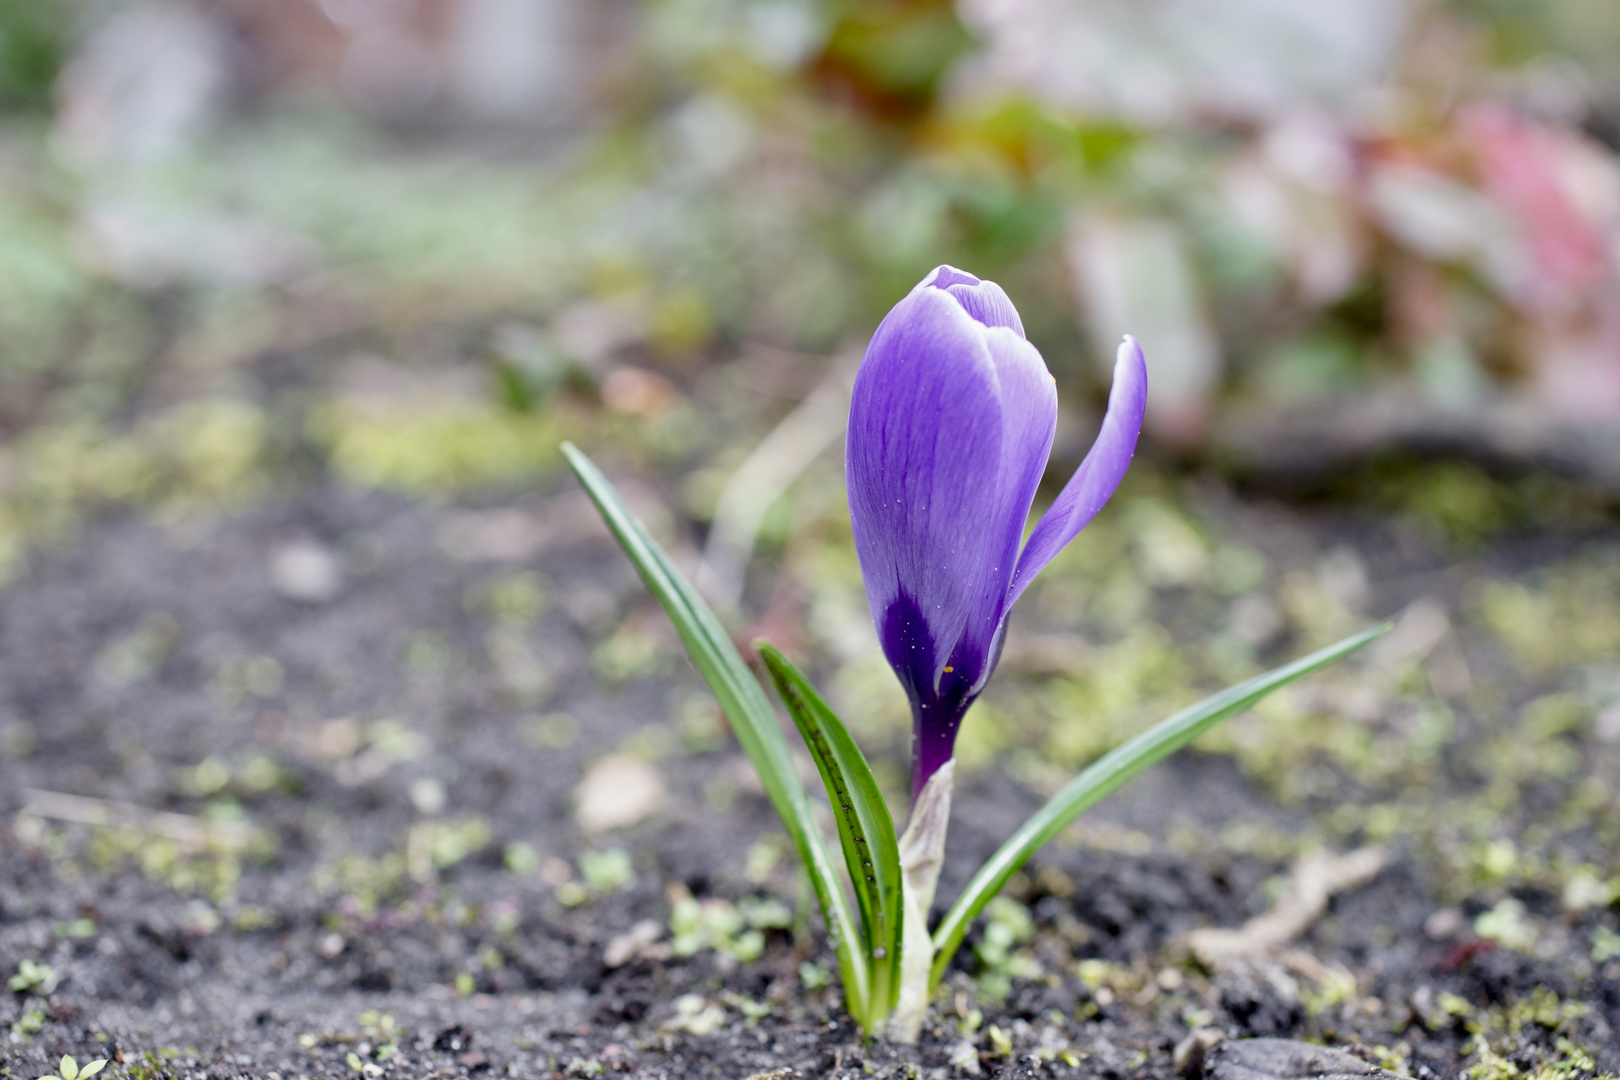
1108,773
748,709
865,828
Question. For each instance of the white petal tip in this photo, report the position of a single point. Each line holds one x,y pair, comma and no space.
1129,354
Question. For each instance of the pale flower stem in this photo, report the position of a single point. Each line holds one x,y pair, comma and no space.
922,853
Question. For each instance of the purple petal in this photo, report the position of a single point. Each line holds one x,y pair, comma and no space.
1029,419
986,301
944,276
914,491
988,305
1099,474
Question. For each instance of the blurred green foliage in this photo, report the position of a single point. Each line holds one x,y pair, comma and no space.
34,43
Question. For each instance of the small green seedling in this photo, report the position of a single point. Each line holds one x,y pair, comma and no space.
31,1022
70,1069
34,978
364,1068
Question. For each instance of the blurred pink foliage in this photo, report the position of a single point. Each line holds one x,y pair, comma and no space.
1362,140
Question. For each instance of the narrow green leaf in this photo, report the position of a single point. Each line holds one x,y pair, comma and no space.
871,850
748,709
1108,773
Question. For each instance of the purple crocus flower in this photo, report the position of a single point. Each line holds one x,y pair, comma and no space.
949,432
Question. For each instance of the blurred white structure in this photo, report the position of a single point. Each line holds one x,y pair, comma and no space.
1133,275
143,84
152,76
1154,61
515,59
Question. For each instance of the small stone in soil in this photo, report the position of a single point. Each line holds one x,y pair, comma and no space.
1192,1052
619,791
1286,1059
306,571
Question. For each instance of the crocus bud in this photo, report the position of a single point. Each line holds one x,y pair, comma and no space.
949,432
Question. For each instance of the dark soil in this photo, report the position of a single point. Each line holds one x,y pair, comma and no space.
379,899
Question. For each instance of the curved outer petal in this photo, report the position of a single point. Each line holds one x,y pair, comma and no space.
1029,416
1099,474
950,426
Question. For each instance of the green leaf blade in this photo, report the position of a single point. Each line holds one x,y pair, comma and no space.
746,707
865,827
1108,773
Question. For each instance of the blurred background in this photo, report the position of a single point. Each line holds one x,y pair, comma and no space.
298,297
1342,230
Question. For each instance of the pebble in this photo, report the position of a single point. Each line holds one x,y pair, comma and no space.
306,571
630,944
1285,1059
619,791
